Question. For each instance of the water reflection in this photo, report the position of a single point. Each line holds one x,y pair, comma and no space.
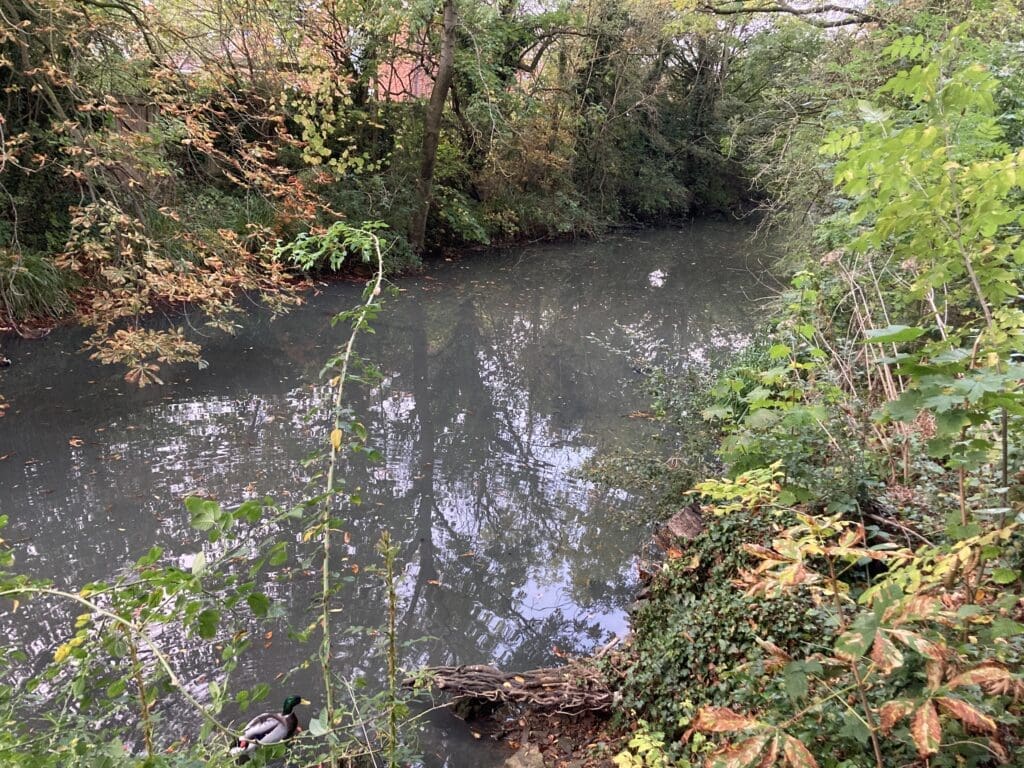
499,382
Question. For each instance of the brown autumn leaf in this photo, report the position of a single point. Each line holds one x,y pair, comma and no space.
892,712
972,718
741,755
926,730
797,755
771,754
935,671
765,553
886,656
721,720
987,677
776,658
915,642
999,751
920,607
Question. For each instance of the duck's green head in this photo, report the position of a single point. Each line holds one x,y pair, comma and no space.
291,703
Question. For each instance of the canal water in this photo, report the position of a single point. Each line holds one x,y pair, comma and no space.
504,372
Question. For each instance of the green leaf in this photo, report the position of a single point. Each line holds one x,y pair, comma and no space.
150,557
951,422
279,554
795,679
1003,627
258,603
855,730
1004,576
762,418
855,642
206,623
892,334
204,513
317,725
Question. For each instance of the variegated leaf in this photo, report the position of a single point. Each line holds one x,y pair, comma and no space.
892,712
915,642
856,641
972,718
926,730
722,720
742,755
771,754
765,553
797,755
983,676
886,656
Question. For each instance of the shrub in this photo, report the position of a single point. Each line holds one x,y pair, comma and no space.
698,633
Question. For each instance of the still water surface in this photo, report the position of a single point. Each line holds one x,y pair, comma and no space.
504,372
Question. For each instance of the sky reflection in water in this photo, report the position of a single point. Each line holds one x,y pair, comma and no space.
499,383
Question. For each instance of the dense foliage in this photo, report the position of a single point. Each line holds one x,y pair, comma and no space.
855,599
154,154
113,694
875,433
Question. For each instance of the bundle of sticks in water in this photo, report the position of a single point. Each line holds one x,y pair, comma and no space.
571,690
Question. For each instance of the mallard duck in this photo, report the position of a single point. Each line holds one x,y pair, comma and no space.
269,728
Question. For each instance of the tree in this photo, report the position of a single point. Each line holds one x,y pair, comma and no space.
432,125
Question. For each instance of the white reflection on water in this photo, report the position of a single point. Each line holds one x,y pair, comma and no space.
499,382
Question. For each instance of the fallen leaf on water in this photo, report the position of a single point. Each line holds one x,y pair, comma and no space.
76,442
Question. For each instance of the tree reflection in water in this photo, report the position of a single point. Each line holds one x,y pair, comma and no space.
498,385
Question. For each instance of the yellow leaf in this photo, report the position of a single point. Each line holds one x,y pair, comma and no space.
336,435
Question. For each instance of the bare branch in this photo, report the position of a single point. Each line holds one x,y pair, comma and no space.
808,14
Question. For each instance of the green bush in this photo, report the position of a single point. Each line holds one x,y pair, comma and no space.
697,633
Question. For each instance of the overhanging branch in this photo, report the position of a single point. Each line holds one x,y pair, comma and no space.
834,15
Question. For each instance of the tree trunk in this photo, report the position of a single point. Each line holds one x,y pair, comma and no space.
432,128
